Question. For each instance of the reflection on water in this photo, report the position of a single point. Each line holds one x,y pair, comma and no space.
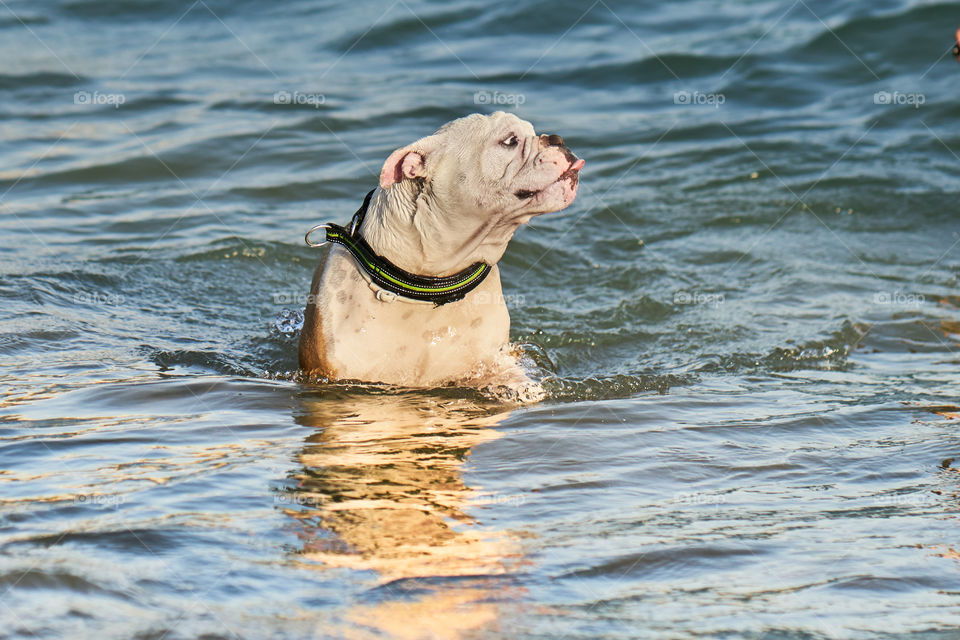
381,488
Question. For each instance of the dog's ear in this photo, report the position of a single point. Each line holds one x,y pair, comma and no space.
402,163
408,162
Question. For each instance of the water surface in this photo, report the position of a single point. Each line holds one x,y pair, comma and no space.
748,322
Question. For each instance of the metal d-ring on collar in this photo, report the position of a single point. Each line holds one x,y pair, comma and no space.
306,238
438,290
354,224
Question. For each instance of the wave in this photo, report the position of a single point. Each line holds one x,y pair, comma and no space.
12,82
274,357
829,353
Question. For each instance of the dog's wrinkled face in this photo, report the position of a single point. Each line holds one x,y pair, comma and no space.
526,174
489,166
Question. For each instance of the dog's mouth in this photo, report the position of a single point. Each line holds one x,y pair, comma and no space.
572,174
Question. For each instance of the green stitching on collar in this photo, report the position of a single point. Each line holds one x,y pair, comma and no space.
439,290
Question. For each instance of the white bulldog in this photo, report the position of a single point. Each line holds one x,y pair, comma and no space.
446,204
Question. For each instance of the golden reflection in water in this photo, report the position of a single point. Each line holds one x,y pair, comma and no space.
381,488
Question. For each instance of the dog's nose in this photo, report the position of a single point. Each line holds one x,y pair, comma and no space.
552,140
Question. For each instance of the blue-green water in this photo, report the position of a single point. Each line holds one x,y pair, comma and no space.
750,322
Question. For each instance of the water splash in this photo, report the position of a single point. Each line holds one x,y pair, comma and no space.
289,321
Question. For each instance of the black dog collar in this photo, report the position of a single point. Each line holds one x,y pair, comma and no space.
438,290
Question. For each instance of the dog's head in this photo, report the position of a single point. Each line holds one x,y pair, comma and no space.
494,167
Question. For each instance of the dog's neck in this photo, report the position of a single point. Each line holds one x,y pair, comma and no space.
408,228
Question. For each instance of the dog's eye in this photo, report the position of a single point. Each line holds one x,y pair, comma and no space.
511,141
